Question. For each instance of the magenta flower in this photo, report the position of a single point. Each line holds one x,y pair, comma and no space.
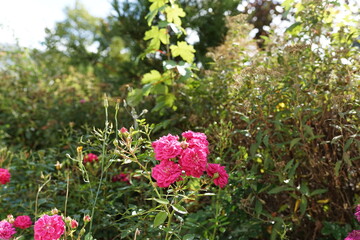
357,213
123,130
167,147
193,161
22,222
189,135
6,230
166,173
4,176
354,235
91,158
122,177
49,227
222,177
196,140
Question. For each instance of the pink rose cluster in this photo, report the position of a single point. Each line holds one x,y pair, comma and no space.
90,158
7,227
188,157
4,176
49,227
355,234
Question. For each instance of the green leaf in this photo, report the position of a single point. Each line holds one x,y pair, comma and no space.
280,189
152,14
174,13
337,168
347,144
309,130
89,237
304,189
162,200
258,207
303,205
156,4
318,191
184,50
293,142
180,209
295,29
287,4
134,97
160,89
152,77
169,99
146,89
189,237
156,36
160,218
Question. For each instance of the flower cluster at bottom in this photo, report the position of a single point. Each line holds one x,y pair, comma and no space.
47,227
188,157
355,234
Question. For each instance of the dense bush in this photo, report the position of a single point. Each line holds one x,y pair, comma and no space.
293,107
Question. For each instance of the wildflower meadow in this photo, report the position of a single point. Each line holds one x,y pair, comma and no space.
188,120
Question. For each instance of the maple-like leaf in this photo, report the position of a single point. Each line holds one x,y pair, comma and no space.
173,14
184,50
152,77
157,36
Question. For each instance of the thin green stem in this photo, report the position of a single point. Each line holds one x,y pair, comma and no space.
168,236
67,195
102,160
37,195
217,213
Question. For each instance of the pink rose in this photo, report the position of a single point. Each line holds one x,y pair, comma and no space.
354,235
222,178
167,147
22,222
91,158
193,161
166,173
4,176
357,213
6,230
196,140
49,227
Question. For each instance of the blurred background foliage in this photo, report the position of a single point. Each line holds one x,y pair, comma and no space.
281,112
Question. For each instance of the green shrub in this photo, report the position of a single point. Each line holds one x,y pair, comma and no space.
292,114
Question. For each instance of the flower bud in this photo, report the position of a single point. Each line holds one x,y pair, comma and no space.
184,145
10,218
58,165
123,130
54,211
79,149
74,224
87,218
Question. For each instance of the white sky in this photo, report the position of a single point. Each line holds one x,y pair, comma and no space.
25,20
